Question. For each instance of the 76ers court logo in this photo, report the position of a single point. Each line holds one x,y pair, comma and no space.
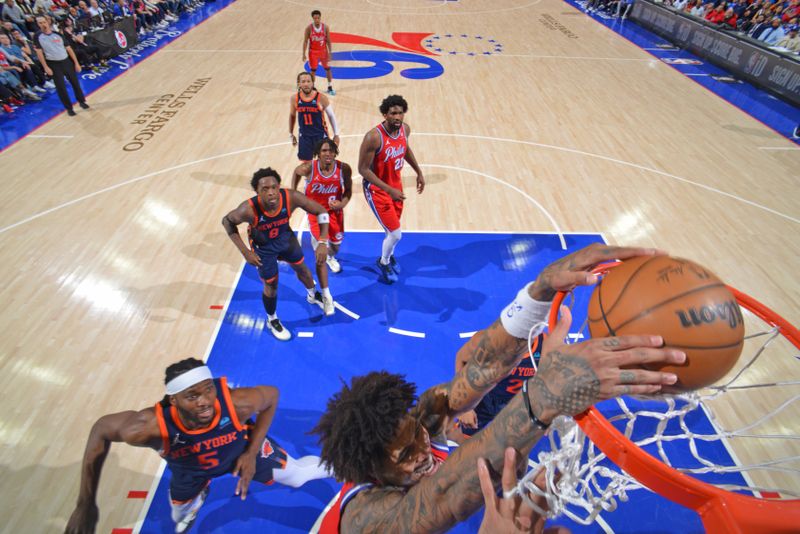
408,49
122,41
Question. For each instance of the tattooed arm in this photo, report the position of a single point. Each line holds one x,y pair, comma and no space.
570,379
493,353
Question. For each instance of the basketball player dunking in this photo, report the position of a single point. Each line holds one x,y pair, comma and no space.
272,239
328,182
308,108
383,152
317,38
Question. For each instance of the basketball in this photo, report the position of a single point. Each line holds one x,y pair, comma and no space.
681,301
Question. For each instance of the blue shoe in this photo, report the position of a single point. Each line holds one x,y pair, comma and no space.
386,273
394,265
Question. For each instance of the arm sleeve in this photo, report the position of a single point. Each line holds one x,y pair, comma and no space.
332,119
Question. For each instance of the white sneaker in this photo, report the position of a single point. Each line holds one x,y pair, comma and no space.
278,330
188,520
327,306
39,89
333,264
49,85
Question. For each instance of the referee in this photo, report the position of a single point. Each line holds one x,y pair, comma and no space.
59,61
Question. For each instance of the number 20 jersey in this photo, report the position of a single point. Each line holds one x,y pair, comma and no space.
388,160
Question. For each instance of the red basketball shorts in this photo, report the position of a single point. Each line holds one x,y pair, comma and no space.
335,227
315,58
386,210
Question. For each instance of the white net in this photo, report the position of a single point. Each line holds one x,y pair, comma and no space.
741,435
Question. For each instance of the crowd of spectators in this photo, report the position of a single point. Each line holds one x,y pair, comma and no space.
773,22
24,79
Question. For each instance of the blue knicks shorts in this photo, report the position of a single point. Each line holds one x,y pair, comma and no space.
305,146
186,485
290,252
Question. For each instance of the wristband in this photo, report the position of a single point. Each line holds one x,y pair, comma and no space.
535,421
523,314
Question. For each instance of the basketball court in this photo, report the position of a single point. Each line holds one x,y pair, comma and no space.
539,130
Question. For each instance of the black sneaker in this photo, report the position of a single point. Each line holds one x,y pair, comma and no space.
394,265
278,330
388,276
71,112
84,105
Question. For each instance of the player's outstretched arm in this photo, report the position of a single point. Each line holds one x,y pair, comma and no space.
492,354
231,221
302,170
261,401
570,379
139,429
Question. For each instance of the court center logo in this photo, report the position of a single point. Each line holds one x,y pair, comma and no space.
417,48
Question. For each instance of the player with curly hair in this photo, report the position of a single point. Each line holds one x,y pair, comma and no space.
386,449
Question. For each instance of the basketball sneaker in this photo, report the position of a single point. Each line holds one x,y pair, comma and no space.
331,91
388,276
796,132
394,265
186,522
333,264
278,330
327,305
315,299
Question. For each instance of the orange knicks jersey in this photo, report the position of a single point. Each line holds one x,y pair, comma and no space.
323,189
317,39
390,157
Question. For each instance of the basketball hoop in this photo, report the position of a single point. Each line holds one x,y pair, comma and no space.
578,473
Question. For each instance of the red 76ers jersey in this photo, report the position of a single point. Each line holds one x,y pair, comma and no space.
389,158
323,189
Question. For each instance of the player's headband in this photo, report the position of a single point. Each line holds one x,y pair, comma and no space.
188,379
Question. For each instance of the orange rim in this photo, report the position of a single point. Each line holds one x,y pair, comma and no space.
720,510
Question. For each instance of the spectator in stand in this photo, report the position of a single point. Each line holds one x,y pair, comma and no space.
59,61
14,14
89,55
791,12
749,20
679,5
121,9
729,19
17,58
791,41
773,34
690,5
760,26
11,77
701,9
716,15
43,7
739,8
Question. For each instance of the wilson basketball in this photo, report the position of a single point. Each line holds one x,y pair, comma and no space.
679,300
